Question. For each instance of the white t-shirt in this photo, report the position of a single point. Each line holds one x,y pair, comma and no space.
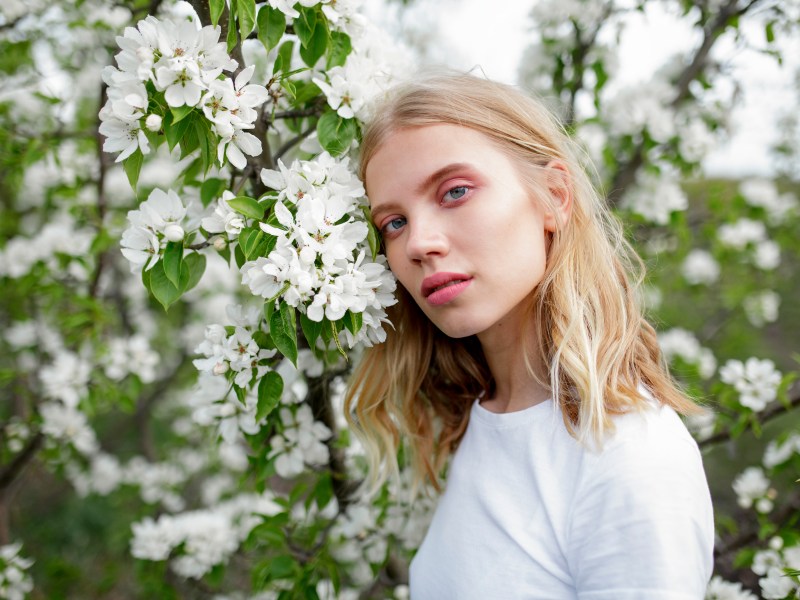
530,513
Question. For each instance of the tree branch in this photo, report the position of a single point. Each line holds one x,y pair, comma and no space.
768,415
293,142
20,461
626,174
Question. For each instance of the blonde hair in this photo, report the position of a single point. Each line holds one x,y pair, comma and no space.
416,389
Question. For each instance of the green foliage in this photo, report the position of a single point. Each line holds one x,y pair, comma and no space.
335,133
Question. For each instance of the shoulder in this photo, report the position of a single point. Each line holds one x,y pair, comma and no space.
642,501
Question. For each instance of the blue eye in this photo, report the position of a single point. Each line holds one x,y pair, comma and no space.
456,193
394,225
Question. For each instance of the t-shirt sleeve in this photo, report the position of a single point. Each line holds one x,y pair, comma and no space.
642,523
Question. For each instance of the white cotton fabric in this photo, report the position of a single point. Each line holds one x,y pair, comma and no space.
529,513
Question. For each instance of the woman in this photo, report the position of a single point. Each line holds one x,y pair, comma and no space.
520,356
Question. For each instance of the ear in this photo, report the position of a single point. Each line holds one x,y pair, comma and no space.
559,184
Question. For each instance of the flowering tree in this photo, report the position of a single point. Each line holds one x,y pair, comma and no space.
189,275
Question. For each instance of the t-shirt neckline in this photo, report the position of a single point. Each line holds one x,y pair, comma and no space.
508,419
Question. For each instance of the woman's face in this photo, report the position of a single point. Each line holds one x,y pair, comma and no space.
462,233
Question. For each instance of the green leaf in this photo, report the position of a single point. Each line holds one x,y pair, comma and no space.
162,288
196,265
216,7
271,26
353,321
316,46
769,31
283,329
311,329
373,238
253,242
173,260
284,61
207,141
323,492
179,113
232,39
212,188
174,132
270,389
249,207
190,140
133,166
339,49
304,25
247,17
335,133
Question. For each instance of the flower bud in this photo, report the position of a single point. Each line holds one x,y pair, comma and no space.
153,122
174,232
219,243
220,368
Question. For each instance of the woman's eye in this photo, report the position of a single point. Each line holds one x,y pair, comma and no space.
456,193
393,225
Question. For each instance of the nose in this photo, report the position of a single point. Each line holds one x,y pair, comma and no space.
426,239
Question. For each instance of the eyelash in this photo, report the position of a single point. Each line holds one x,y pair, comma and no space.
467,189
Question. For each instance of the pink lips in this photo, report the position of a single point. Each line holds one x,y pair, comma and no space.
441,288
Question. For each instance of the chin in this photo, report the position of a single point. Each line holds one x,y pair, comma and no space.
458,329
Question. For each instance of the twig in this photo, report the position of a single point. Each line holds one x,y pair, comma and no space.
20,461
293,142
767,415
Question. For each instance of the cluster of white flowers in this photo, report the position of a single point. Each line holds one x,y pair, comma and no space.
762,307
371,68
756,381
695,141
215,403
656,197
224,219
301,441
642,107
719,589
319,263
551,16
15,583
683,343
158,220
700,268
206,537
358,541
763,193
752,487
766,253
186,63
103,476
161,482
237,352
59,237
770,564
777,453
132,355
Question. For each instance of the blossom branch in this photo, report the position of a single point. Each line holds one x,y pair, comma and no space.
9,474
763,417
625,175
294,141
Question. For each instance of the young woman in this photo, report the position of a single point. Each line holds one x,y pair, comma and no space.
520,359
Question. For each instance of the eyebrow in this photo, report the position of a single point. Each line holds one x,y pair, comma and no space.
427,183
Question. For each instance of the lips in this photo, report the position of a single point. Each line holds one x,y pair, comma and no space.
441,288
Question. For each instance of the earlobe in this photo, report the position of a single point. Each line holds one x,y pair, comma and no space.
559,184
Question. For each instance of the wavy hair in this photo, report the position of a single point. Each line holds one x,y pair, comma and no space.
415,390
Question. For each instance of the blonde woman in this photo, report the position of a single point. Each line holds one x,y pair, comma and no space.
521,362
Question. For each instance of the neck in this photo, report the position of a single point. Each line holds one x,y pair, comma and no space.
516,388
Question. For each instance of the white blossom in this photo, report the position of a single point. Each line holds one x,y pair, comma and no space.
750,486
15,582
682,343
132,355
741,233
762,307
756,381
767,255
719,589
300,443
656,197
777,453
776,585
68,425
763,193
700,268
224,219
